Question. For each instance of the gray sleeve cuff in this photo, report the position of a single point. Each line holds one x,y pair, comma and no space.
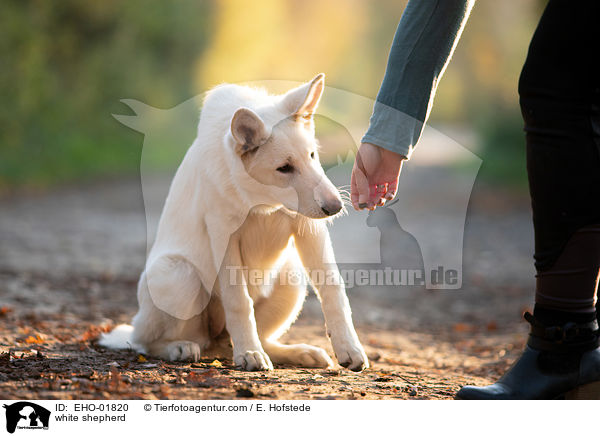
393,130
423,44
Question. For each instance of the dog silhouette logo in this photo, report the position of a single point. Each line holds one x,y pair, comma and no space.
26,415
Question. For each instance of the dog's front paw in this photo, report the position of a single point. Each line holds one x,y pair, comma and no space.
184,350
254,360
352,356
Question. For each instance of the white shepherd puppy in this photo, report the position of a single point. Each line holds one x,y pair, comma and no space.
250,196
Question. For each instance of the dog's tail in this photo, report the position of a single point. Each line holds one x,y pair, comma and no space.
121,337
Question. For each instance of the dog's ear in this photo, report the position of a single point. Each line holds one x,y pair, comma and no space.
248,130
301,102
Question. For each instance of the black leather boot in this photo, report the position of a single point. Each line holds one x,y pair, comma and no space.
558,362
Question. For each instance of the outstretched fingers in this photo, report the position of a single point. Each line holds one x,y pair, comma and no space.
360,188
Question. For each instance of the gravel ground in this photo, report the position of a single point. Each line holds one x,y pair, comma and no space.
70,258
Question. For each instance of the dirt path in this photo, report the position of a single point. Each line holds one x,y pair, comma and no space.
70,259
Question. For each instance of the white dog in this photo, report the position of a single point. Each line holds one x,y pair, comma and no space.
250,195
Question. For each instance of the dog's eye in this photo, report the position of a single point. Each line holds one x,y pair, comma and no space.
287,168
312,155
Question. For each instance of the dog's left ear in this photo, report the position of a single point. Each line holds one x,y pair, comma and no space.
301,102
248,130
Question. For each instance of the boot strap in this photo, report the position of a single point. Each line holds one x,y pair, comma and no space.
562,334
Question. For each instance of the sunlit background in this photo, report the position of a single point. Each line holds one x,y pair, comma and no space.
66,65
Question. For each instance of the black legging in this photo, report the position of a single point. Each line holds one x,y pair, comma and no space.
560,101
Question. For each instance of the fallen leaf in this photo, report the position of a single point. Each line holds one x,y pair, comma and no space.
93,333
461,327
141,358
244,393
115,381
34,340
383,379
208,378
216,363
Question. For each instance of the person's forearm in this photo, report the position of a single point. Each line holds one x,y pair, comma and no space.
423,45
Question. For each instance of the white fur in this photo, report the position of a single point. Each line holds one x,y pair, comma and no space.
119,337
230,207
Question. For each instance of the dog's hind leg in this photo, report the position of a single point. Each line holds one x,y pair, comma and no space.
186,351
171,323
274,316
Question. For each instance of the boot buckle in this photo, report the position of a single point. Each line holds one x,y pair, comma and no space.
569,331
563,333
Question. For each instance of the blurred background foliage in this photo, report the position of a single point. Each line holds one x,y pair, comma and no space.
66,65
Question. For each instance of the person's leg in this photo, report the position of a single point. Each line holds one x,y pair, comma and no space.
568,288
558,89
563,162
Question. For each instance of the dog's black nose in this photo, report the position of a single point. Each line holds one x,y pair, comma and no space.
331,209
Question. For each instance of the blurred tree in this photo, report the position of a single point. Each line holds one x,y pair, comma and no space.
66,65
284,40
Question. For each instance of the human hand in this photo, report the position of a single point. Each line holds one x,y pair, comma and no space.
374,176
